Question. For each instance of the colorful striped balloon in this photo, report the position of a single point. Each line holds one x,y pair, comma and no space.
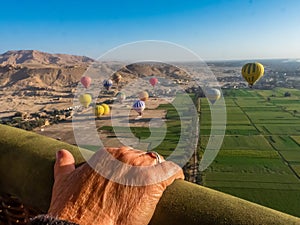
107,84
139,106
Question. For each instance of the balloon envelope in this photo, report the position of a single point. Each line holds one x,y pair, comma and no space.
85,100
106,109
107,84
153,81
143,95
117,77
99,110
86,81
252,72
139,106
213,95
121,96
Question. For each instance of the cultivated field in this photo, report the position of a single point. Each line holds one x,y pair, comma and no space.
260,156
259,159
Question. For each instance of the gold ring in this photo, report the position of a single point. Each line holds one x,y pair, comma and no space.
158,159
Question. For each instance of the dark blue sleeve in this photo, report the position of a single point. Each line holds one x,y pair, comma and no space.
47,220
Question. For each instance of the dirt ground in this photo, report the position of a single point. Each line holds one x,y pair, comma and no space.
11,103
119,113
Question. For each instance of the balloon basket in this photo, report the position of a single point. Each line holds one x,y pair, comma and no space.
138,117
14,212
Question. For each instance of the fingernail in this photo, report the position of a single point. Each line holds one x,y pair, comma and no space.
59,154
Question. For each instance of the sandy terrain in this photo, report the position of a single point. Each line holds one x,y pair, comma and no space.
10,103
64,131
33,81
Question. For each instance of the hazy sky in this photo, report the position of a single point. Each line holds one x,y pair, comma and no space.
229,29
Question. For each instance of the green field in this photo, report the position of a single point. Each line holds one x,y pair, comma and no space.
279,129
283,143
296,168
259,159
176,121
285,199
296,139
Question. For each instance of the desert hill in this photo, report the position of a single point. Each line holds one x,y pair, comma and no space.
34,57
31,80
31,69
153,69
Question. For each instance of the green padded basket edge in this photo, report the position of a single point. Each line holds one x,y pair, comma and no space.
26,170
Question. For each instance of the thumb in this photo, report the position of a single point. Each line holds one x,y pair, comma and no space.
64,164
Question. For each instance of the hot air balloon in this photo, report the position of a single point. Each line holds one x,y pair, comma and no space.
85,100
139,106
213,94
99,110
86,81
252,72
107,84
153,81
106,109
143,96
121,96
117,78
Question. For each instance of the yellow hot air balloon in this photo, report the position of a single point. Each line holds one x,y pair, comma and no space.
143,96
106,109
99,110
252,72
85,100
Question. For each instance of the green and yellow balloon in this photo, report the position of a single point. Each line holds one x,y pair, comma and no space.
252,72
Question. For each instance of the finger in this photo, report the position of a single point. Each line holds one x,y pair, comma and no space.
64,164
171,172
162,174
107,155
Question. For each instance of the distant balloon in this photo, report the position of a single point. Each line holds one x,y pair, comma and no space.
213,94
99,110
86,81
117,78
139,106
252,72
143,96
107,84
153,81
121,96
106,109
85,100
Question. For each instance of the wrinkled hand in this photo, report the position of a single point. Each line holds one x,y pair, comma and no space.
85,197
